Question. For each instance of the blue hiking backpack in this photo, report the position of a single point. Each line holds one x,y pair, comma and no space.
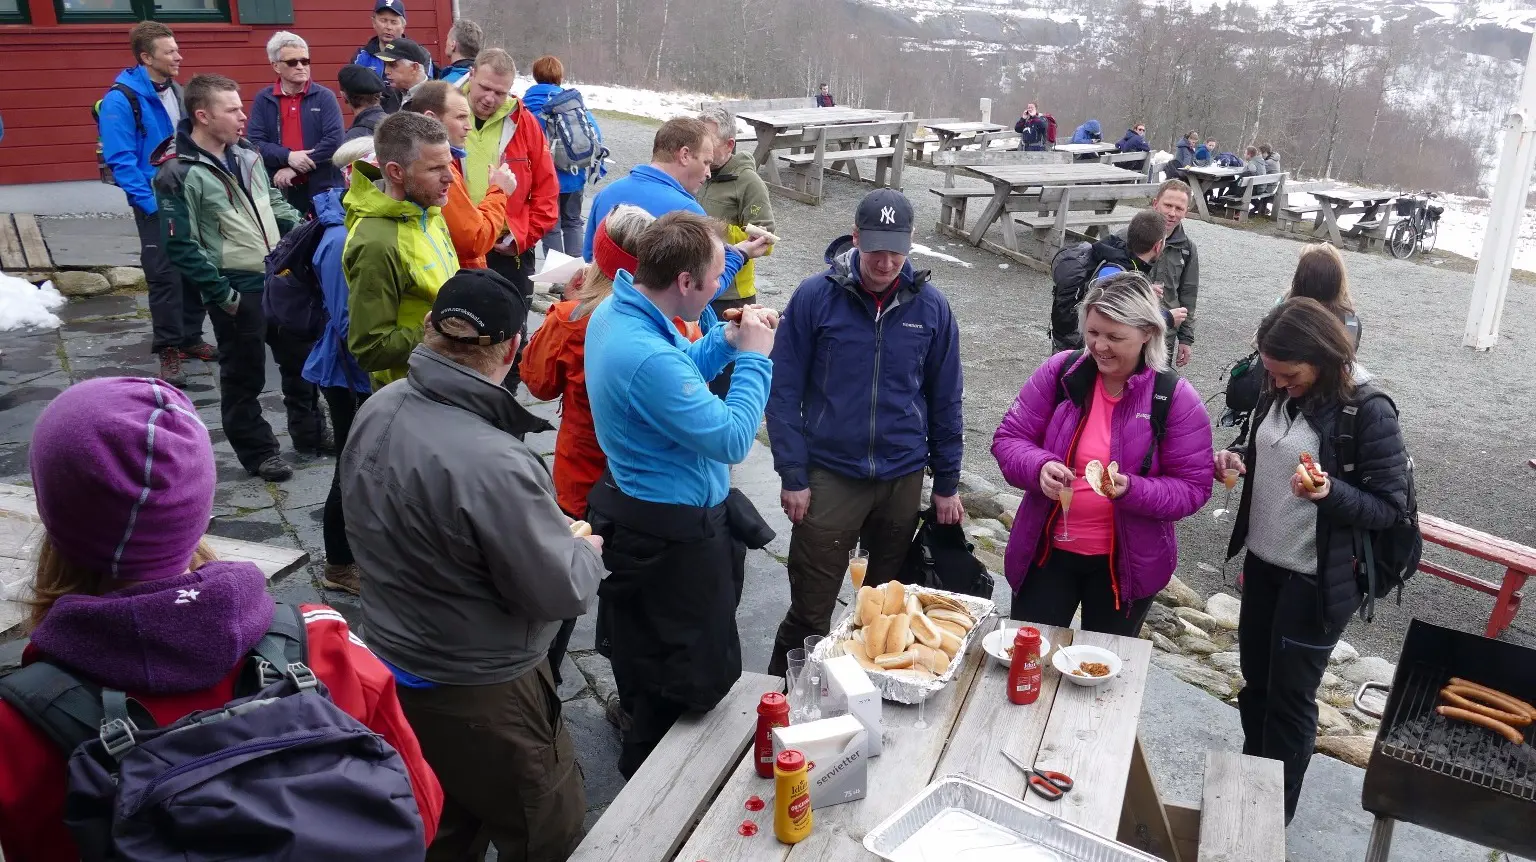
574,141
1229,160
280,772
293,298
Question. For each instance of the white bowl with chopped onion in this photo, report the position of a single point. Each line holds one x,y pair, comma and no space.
999,644
1075,663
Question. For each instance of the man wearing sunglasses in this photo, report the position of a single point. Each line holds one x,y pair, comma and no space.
1135,141
296,125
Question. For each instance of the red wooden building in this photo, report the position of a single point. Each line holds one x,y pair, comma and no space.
58,57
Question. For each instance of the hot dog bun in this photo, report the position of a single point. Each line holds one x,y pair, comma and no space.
895,598
580,528
894,660
754,232
1311,477
950,644
947,615
934,660
875,635
856,649
898,635
955,629
868,606
925,631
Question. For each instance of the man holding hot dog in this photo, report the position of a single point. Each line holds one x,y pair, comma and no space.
676,534
866,396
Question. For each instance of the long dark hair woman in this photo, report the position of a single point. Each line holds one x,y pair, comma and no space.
1320,275
1299,574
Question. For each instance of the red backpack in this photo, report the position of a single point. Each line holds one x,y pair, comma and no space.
1050,129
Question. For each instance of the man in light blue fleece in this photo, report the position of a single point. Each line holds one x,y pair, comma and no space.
675,534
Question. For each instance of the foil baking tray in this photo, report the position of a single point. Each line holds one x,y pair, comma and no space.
900,686
956,819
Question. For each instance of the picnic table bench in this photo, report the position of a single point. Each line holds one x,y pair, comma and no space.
1289,213
1202,179
1241,203
21,531
1519,562
1373,204
686,802
917,144
823,138
1084,152
21,245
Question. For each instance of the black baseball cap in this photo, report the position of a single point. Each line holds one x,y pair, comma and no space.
395,6
359,80
403,49
483,299
884,222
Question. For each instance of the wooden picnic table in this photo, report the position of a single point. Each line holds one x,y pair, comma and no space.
21,531
1347,200
1205,178
1519,562
816,137
953,136
1085,149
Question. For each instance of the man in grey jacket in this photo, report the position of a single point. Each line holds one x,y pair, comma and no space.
1177,270
468,568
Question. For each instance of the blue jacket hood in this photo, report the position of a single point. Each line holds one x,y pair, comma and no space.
137,80
328,208
538,95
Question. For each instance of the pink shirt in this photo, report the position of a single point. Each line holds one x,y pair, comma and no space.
1090,522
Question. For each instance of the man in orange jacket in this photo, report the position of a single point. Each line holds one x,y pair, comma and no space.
474,227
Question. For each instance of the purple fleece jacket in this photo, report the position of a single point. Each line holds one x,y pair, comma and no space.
1040,427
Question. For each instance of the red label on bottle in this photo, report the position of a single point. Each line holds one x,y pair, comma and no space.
799,806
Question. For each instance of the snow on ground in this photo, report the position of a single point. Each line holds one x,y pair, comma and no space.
628,100
25,306
919,248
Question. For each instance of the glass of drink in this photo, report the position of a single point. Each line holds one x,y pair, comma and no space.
858,566
798,675
1229,479
1066,508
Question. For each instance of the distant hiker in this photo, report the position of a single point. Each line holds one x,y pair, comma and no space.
363,90
296,125
824,98
407,66
130,131
1135,141
1088,133
464,40
1271,166
1033,128
388,25
1177,269
566,235
1075,269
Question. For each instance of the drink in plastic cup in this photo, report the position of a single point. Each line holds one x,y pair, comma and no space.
1229,478
858,565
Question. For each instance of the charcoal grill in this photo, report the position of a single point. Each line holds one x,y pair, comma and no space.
1454,778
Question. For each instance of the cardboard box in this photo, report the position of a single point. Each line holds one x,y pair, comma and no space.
848,689
836,749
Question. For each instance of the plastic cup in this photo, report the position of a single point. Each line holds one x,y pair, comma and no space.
858,566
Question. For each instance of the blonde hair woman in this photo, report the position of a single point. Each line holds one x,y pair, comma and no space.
1081,537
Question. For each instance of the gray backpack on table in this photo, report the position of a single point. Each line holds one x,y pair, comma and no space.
280,772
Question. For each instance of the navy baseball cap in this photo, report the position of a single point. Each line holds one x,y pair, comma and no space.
485,300
395,6
884,222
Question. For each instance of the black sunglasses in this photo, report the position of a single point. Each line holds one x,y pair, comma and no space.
296,62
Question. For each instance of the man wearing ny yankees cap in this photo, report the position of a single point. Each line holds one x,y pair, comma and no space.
865,397
468,569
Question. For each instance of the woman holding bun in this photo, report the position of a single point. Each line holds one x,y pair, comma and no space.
1083,422
1300,514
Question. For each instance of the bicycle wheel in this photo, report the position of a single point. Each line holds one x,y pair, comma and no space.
1403,240
1431,233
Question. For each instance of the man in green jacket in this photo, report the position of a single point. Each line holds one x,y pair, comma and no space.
398,250
220,218
737,196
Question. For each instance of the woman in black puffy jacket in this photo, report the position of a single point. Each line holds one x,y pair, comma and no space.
1301,576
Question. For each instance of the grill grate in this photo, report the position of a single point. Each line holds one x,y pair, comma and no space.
1415,734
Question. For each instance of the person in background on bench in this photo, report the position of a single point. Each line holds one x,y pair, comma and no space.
1032,128
1299,579
1271,166
1109,554
129,138
1088,133
824,97
1183,157
470,568
736,195
129,596
1135,141
676,533
868,344
362,88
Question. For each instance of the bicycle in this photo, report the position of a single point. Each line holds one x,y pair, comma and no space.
1418,228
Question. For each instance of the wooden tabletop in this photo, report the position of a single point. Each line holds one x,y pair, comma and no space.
1088,733
962,128
1354,194
1073,173
800,117
21,531
1084,149
1215,171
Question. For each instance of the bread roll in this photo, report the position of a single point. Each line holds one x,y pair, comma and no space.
946,615
856,649
915,673
955,629
895,597
950,644
868,606
896,636
928,658
580,528
875,638
894,660
933,600
924,631
913,608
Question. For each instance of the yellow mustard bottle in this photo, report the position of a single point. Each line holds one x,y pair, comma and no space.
791,797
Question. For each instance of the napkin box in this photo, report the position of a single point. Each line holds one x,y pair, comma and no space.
848,689
835,752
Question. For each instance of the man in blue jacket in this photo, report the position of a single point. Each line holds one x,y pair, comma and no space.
388,25
1135,141
676,550
129,137
866,394
296,125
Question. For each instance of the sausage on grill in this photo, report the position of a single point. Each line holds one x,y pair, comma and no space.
1481,720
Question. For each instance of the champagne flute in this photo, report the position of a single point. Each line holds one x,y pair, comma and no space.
1066,508
858,565
1229,479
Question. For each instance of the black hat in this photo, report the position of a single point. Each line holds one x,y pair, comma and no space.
359,80
483,299
403,49
884,222
395,6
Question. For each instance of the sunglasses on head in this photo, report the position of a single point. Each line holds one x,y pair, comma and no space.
296,62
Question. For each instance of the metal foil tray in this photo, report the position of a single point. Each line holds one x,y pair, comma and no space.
956,819
898,685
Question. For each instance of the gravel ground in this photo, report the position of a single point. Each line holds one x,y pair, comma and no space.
1467,416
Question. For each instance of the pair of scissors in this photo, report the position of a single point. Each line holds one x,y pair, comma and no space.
1051,785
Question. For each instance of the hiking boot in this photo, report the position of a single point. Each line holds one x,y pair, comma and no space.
326,445
201,351
170,367
274,469
348,578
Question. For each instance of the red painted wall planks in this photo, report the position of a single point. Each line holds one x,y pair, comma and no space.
60,70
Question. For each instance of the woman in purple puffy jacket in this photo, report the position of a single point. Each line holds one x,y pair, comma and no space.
1108,552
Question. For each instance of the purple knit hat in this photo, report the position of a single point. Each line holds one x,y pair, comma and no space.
123,472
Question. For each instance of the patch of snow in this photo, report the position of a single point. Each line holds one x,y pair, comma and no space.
628,100
23,305
919,248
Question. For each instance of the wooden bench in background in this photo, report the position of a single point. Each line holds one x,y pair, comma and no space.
21,245
1075,212
1240,204
837,149
1519,562
922,139
659,806
1241,816
1287,214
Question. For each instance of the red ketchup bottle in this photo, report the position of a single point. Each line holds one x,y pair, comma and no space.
1024,673
772,711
